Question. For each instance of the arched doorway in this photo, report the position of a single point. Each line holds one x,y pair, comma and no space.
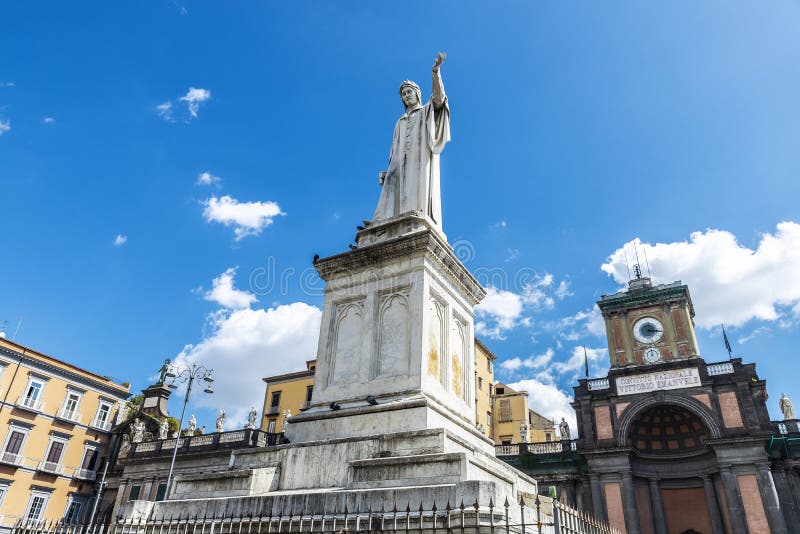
669,444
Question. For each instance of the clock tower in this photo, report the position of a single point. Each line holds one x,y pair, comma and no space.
649,324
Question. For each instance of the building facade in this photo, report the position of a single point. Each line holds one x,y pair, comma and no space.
287,394
55,420
514,422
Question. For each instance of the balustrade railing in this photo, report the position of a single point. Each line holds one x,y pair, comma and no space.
724,368
216,440
542,447
598,384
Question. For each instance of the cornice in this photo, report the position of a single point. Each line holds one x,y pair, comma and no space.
116,392
420,243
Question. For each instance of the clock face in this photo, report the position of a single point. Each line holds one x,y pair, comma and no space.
648,330
652,355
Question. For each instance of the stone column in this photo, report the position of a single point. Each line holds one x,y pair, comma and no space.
772,506
598,504
717,524
629,505
657,507
785,495
734,500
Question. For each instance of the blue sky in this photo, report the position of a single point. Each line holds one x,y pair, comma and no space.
575,130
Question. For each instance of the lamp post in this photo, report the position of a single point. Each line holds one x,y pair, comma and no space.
179,376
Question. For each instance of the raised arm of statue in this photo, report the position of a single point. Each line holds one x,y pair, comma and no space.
437,90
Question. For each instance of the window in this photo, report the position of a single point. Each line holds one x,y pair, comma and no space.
500,391
491,388
3,487
548,436
73,514
31,398
102,418
52,460
36,505
489,365
505,410
505,440
88,468
69,410
161,492
489,420
276,399
271,426
309,391
13,446
480,383
134,493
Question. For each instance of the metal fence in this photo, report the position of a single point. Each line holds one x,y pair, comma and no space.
547,518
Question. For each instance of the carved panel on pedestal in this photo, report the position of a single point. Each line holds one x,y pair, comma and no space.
436,337
348,328
458,351
393,335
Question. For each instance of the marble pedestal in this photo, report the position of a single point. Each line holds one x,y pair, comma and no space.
396,347
392,418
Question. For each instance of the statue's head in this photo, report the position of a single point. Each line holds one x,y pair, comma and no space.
411,94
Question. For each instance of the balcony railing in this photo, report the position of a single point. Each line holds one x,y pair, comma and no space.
73,416
51,467
105,426
598,384
11,458
724,368
206,442
273,410
85,474
30,403
542,447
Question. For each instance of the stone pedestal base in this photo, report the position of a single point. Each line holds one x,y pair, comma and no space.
407,468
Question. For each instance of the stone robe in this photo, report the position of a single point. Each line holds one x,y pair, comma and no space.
411,183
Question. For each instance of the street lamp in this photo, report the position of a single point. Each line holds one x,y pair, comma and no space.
179,376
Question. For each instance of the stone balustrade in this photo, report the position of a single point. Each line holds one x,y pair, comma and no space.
205,442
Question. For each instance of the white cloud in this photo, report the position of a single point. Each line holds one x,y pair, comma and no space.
248,218
513,254
755,333
186,106
164,110
5,126
193,98
120,240
7,84
227,296
48,120
598,362
535,361
549,401
498,312
206,178
248,344
730,283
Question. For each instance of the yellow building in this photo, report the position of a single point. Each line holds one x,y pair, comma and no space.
514,422
484,384
287,394
54,425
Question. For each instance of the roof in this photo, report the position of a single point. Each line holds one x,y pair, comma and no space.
70,371
485,349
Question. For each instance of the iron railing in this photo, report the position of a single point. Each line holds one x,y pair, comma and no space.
542,516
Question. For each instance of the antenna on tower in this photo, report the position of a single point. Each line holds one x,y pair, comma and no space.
644,250
627,265
636,269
